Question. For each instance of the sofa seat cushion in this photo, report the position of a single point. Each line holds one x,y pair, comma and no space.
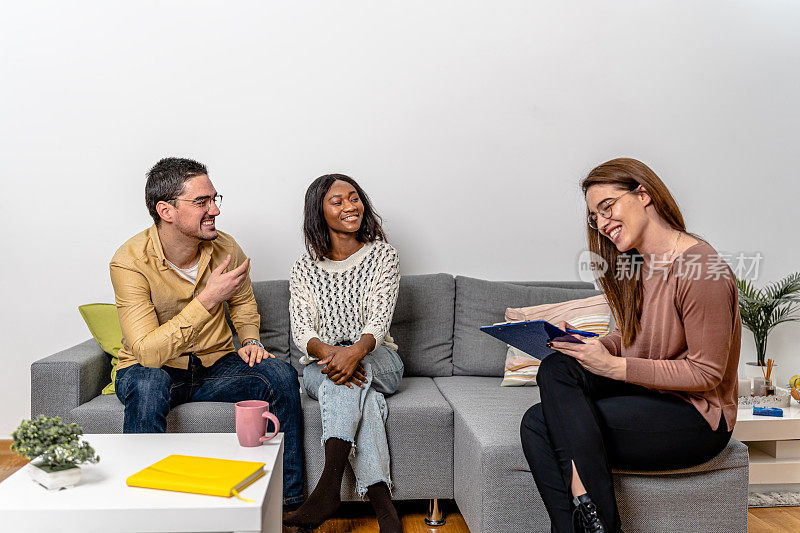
492,484
104,414
420,435
493,415
495,491
490,413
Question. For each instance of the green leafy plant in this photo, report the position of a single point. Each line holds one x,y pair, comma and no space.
57,445
763,309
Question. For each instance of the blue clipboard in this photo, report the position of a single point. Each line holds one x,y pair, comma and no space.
532,336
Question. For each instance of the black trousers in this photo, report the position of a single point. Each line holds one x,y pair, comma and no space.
600,424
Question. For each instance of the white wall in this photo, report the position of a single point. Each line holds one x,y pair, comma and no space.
469,123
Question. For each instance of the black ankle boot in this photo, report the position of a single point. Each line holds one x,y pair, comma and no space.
584,517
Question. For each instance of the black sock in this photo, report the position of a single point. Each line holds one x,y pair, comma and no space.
381,501
326,497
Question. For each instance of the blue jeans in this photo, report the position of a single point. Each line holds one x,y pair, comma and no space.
359,415
149,394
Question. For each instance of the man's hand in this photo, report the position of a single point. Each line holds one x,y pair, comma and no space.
253,354
221,285
344,365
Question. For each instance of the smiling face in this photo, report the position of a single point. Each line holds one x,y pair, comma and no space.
627,217
342,208
189,218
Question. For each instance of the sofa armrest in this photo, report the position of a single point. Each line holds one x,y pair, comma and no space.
63,381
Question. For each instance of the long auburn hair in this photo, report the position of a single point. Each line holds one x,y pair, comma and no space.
625,295
315,229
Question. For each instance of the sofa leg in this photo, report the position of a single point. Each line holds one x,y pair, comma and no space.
435,516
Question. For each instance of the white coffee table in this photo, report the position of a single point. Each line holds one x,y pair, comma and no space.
102,502
773,443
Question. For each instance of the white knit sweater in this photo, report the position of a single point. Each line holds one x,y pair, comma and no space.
338,301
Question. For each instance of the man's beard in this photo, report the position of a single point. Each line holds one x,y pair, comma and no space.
216,233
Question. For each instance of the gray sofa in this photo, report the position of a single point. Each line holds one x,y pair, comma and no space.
453,431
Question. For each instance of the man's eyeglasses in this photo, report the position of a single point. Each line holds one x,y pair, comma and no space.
204,202
605,207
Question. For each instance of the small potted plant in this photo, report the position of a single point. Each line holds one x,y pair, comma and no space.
763,309
55,450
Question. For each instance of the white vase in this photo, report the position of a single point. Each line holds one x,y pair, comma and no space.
60,479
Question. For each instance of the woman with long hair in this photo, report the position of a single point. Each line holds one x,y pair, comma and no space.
343,294
657,393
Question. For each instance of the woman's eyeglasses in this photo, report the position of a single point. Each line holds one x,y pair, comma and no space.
605,207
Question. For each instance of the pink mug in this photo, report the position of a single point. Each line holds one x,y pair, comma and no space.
251,422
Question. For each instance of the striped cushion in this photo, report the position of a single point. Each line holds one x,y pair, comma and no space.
588,314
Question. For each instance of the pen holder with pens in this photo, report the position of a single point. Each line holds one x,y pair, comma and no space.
763,387
764,391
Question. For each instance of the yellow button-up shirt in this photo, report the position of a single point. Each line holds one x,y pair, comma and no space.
160,315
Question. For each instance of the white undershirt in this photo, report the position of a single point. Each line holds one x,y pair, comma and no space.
189,274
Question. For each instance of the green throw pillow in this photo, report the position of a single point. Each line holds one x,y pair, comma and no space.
103,323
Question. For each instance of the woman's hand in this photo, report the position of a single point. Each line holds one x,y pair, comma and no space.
593,356
343,365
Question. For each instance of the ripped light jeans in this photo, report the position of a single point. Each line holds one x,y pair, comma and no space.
359,415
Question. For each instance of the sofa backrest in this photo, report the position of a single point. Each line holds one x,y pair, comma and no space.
482,303
272,298
436,320
422,325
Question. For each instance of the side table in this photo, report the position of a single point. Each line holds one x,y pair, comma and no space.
102,502
774,445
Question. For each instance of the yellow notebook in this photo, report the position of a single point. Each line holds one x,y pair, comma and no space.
200,475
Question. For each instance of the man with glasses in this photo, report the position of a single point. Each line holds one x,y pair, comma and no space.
171,282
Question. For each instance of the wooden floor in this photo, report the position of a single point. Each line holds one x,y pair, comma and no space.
357,517
10,462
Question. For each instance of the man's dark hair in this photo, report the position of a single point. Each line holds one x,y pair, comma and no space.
315,229
165,181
